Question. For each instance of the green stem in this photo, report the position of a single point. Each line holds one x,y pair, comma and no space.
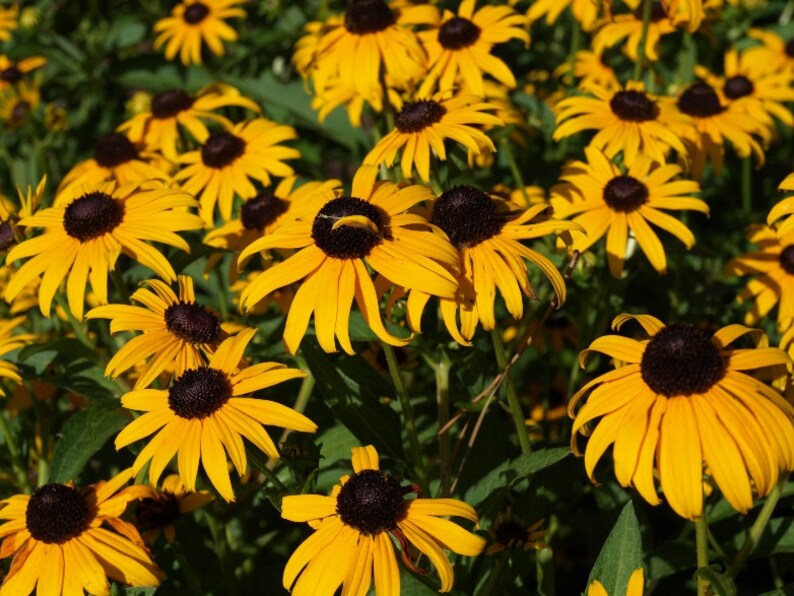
223,304
758,527
121,287
702,545
576,42
747,185
16,458
444,443
493,578
408,415
646,19
77,326
512,395
504,145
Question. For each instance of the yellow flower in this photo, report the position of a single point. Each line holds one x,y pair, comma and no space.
355,528
158,512
584,11
9,343
8,21
592,70
636,586
783,209
680,399
12,71
18,102
10,213
629,26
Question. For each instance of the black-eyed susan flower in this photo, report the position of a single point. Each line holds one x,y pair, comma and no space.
8,343
13,71
629,27
508,533
716,122
424,125
205,414
635,587
590,68
157,512
229,160
782,210
343,235
194,23
355,529
772,268
11,213
18,102
628,120
604,200
584,11
779,53
677,400
8,21
460,47
175,112
688,14
66,540
178,333
84,236
487,233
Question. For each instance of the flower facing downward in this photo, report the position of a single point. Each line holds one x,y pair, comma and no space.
355,528
683,398
205,414
158,512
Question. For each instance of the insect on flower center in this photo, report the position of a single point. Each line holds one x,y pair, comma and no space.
467,215
786,259
371,502
738,86
458,33
92,215
633,106
199,392
700,101
11,75
114,149
170,103
262,210
221,149
156,513
347,242
368,16
681,360
195,13
192,323
657,12
625,194
418,115
7,237
56,513
511,533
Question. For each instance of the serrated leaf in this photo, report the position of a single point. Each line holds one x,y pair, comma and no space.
621,554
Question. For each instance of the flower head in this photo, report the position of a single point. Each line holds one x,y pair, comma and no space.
157,512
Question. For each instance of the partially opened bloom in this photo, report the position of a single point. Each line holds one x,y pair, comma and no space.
178,333
157,512
584,11
629,27
67,540
229,161
84,236
205,414
194,23
604,200
355,529
13,71
8,343
460,47
8,21
340,238
424,125
681,399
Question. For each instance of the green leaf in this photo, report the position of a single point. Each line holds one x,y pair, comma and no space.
413,585
83,435
787,590
720,584
621,554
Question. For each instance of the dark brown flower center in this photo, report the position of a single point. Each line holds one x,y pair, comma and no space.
199,392
56,513
418,115
657,11
221,149
192,323
467,215
195,13
458,33
7,237
114,149
510,533
700,101
371,502
169,103
633,106
92,215
11,75
789,48
156,513
262,210
681,360
346,242
625,194
368,16
738,86
787,259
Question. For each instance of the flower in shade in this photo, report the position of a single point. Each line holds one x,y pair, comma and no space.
205,414
157,512
194,23
460,46
13,71
681,399
635,587
343,235
629,27
584,11
66,540
175,112
229,160
177,333
628,120
772,271
18,102
355,529
10,342
507,533
424,125
84,236
603,200
8,21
